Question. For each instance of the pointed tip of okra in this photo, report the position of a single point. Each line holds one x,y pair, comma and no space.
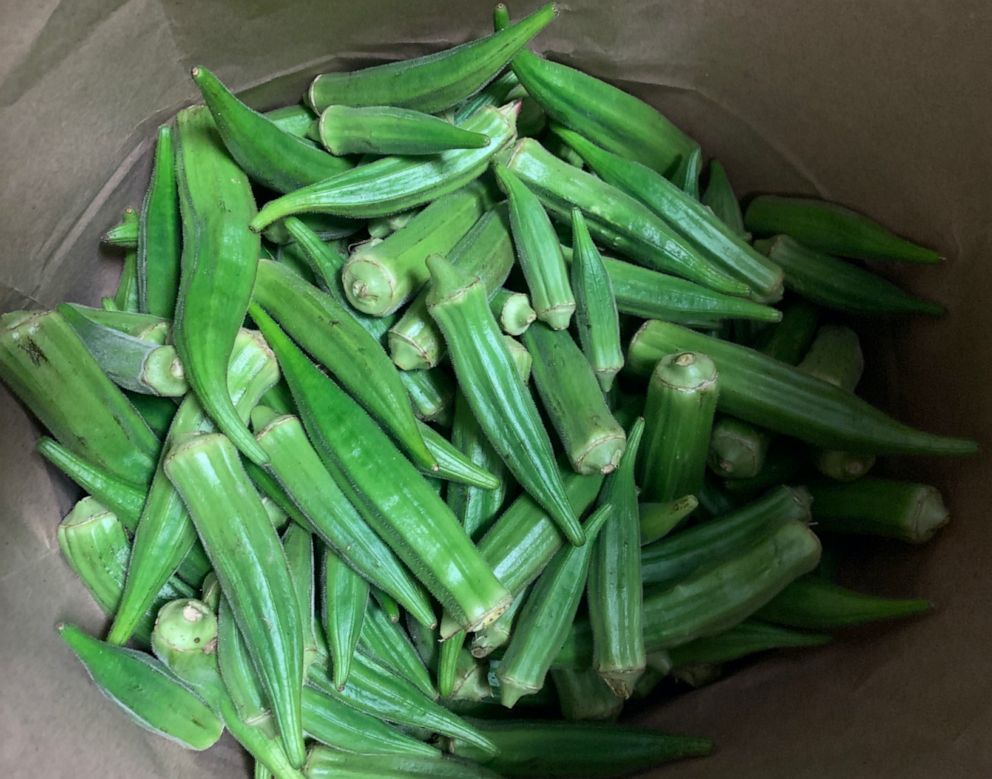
447,281
510,692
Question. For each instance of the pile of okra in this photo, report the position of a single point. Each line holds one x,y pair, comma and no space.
490,418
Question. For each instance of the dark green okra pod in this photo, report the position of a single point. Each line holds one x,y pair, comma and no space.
386,130
345,600
584,695
719,197
333,764
159,246
747,638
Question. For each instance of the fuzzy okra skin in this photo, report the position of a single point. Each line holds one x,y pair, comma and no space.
615,218
573,399
831,228
267,153
218,268
777,396
433,82
387,642
404,510
538,252
386,130
251,568
40,356
145,689
324,328
719,197
500,400
159,245
294,119
345,599
392,184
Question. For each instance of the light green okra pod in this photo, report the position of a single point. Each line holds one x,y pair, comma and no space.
125,297
345,601
159,238
293,119
386,130
513,311
387,643
124,234
431,392
455,466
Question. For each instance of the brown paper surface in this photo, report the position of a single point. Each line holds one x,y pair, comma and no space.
879,105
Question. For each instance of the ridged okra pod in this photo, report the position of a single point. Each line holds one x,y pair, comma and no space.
499,399
392,184
779,397
218,268
513,311
747,638
387,643
831,228
494,636
546,616
433,82
378,279
573,399
583,695
345,600
386,130
294,119
333,764
236,670
453,465
538,252
431,392
147,327
659,519
159,247
719,197
251,568
404,510
384,226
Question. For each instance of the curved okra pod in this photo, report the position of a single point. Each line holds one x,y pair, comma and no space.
747,638
386,130
325,763
583,695
681,400
841,285
326,511
453,465
251,568
41,355
345,599
268,154
325,329
719,197
431,392
690,218
831,228
485,251
614,587
595,306
497,396
615,218
145,689
538,252
125,297
218,269
513,311
159,247
433,82
378,279
592,439
659,519
392,184
813,603
404,510
387,643
545,618
779,397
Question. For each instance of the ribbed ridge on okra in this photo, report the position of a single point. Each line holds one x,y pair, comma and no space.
345,597
387,130
159,239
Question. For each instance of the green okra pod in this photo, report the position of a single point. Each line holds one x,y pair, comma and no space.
387,643
614,586
386,130
495,393
124,234
146,327
41,355
392,184
433,82
447,662
681,400
719,197
146,690
494,636
325,226
615,218
513,311
268,154
297,544
125,297
538,252
777,396
737,450
545,618
595,305
380,278
840,285
236,670
903,510
157,412
496,93
454,465
747,638
159,244
584,695
813,603
293,119
218,268
251,568
520,357
325,763
573,399
485,251
659,519
345,601
431,392
690,218
323,327
403,510
831,228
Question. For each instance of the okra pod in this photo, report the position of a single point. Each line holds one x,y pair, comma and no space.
521,358
124,234
737,450
494,636
157,412
840,285
218,269
831,228
513,311
384,226
147,327
595,306
433,82
495,93
614,587
386,642
125,297
379,279
392,184
747,638
690,218
719,197
494,391
584,695
386,130
546,616
657,520
777,396
447,662
538,252
453,465
236,669
143,687
345,599
325,226
333,764
431,391
159,247
293,119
